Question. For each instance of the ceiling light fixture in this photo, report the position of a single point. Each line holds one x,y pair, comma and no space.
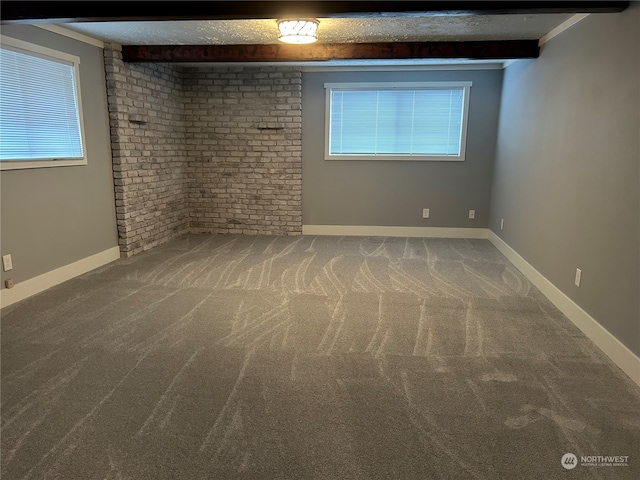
298,30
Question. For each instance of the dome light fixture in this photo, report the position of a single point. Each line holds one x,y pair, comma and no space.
298,30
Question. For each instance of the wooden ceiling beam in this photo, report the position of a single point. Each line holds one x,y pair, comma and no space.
502,49
26,11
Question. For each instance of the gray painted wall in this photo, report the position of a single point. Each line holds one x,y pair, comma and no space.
393,193
567,167
52,217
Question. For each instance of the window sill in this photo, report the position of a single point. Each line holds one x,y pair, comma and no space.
396,158
26,164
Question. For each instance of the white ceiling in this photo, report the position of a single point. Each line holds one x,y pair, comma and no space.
331,30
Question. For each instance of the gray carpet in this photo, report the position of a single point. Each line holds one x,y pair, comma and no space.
237,357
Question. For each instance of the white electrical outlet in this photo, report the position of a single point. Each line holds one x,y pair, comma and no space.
502,224
7,264
472,214
425,213
578,277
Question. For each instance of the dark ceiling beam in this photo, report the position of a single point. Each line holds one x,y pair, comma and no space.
492,50
25,11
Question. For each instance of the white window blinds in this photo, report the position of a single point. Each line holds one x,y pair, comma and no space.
39,108
397,122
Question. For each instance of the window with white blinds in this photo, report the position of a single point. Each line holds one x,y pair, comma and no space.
400,121
40,111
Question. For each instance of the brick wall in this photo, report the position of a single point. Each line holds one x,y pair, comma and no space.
243,130
149,152
205,150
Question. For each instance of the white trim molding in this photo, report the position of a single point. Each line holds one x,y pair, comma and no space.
562,27
624,358
47,280
395,65
506,63
81,37
385,231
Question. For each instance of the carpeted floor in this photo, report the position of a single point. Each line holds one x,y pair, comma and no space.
237,357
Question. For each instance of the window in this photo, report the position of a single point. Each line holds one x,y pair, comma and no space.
40,111
396,121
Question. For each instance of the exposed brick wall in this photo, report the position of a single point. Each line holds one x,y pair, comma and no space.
149,152
204,150
243,129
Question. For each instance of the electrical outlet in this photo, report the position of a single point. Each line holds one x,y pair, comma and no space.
502,224
472,214
8,283
425,213
578,277
7,264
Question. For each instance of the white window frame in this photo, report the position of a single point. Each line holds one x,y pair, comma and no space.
329,87
32,49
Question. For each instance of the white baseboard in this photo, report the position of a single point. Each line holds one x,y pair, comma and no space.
378,231
628,361
47,280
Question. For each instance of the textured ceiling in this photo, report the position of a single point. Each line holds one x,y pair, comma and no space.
331,30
